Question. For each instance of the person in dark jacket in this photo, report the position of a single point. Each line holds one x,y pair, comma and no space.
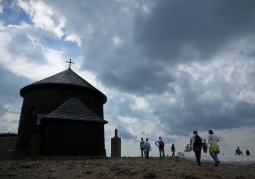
195,147
205,146
142,147
238,151
173,150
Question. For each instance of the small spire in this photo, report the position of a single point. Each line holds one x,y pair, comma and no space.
116,133
69,63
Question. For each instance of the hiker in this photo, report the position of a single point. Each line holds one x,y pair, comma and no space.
205,146
160,144
196,146
248,153
142,146
238,151
147,148
173,150
214,147
187,148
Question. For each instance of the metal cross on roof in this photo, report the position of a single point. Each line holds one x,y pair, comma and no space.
69,62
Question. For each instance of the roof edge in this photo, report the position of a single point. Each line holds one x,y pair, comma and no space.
27,88
45,119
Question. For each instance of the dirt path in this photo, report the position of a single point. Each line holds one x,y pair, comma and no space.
78,167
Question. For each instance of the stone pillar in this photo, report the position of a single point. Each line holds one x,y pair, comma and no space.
116,145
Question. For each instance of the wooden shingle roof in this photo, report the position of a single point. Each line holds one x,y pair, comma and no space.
74,109
66,78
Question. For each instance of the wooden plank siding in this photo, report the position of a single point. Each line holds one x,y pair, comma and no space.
68,138
48,98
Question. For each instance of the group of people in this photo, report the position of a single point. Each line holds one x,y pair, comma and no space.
145,148
204,146
239,152
196,145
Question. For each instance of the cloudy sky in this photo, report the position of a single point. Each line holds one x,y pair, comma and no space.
166,67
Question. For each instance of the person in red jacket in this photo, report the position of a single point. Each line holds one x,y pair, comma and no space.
248,153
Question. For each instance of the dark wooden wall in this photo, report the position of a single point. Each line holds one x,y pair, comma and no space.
68,138
47,99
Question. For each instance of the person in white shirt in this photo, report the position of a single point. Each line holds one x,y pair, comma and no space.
160,144
214,147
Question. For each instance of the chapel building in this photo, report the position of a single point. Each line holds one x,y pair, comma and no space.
62,115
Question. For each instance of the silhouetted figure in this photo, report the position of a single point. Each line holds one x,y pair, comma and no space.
187,148
205,146
248,153
160,144
196,146
173,150
147,148
238,151
142,146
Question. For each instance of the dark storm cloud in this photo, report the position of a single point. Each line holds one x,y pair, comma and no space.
182,31
9,89
174,32
191,112
117,67
116,108
141,79
124,133
11,83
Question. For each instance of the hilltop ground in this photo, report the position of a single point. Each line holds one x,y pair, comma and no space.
125,167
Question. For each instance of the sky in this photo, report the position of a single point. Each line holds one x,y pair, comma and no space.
167,67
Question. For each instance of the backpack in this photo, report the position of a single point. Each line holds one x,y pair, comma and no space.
198,140
161,143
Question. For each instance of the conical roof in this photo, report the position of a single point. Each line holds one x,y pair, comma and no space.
67,78
74,109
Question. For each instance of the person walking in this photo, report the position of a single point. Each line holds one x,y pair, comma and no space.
196,146
160,144
147,146
214,147
142,146
205,146
173,150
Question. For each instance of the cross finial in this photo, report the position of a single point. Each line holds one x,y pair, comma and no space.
69,62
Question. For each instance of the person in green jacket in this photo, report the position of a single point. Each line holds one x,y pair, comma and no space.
214,147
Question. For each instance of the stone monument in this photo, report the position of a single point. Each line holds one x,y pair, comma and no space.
116,145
